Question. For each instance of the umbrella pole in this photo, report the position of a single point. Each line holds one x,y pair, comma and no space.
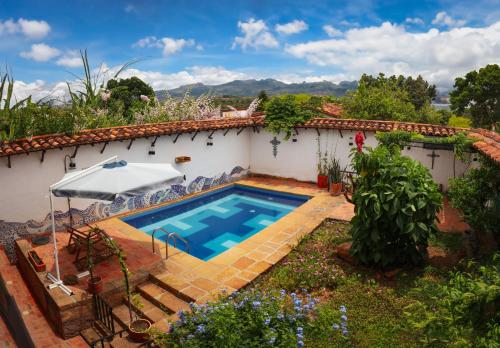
56,281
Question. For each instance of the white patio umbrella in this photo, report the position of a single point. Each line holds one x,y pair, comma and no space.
106,181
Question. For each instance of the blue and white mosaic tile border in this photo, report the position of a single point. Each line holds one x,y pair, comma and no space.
10,231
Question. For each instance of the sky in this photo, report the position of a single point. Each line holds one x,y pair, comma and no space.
213,42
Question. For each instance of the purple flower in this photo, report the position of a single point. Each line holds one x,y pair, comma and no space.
200,328
343,317
343,309
256,304
300,344
267,321
300,330
335,326
345,332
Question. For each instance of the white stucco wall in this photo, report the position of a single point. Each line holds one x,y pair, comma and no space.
24,187
299,159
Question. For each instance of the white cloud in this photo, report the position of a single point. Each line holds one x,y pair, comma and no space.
40,52
171,46
331,31
414,20
210,75
439,56
70,59
148,41
32,29
443,19
168,44
293,27
255,34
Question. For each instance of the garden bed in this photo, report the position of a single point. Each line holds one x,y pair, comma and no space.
375,303
312,298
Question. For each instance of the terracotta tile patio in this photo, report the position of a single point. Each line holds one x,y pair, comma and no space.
236,267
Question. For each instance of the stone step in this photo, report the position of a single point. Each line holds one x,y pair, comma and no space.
98,331
125,342
173,285
162,298
91,335
121,315
149,310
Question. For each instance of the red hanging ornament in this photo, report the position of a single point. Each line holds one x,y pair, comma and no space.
359,139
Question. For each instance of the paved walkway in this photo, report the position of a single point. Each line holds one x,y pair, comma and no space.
238,266
42,334
6,340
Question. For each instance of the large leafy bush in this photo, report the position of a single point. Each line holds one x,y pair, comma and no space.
396,202
477,195
465,312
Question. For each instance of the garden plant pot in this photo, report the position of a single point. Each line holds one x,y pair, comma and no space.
322,181
139,330
36,261
95,285
336,188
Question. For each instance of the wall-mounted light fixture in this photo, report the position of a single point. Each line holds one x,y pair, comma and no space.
350,141
152,151
210,139
71,165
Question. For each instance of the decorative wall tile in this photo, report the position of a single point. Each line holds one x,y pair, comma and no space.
10,231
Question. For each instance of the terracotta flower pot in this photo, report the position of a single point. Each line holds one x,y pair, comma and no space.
322,181
36,261
138,330
95,285
336,188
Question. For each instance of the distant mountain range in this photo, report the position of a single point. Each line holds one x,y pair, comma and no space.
242,88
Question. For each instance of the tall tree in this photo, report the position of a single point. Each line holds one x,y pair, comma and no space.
420,92
478,93
379,100
127,93
263,100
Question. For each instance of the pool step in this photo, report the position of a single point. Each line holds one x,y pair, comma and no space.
162,298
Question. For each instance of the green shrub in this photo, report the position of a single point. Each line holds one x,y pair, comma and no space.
249,319
465,312
396,202
460,121
477,195
285,112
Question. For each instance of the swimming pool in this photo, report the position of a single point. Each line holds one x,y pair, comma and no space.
218,220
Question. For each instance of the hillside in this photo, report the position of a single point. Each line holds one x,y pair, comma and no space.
271,86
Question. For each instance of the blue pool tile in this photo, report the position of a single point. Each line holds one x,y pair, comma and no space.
217,221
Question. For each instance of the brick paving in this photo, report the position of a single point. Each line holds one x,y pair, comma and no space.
40,331
189,276
238,266
6,340
451,220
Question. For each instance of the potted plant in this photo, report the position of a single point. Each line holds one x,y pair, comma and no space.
36,261
138,327
95,281
334,177
322,180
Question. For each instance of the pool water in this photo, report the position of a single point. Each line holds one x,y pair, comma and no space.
218,220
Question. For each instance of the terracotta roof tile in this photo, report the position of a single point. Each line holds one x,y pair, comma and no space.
489,142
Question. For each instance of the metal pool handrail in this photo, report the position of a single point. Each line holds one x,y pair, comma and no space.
172,235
